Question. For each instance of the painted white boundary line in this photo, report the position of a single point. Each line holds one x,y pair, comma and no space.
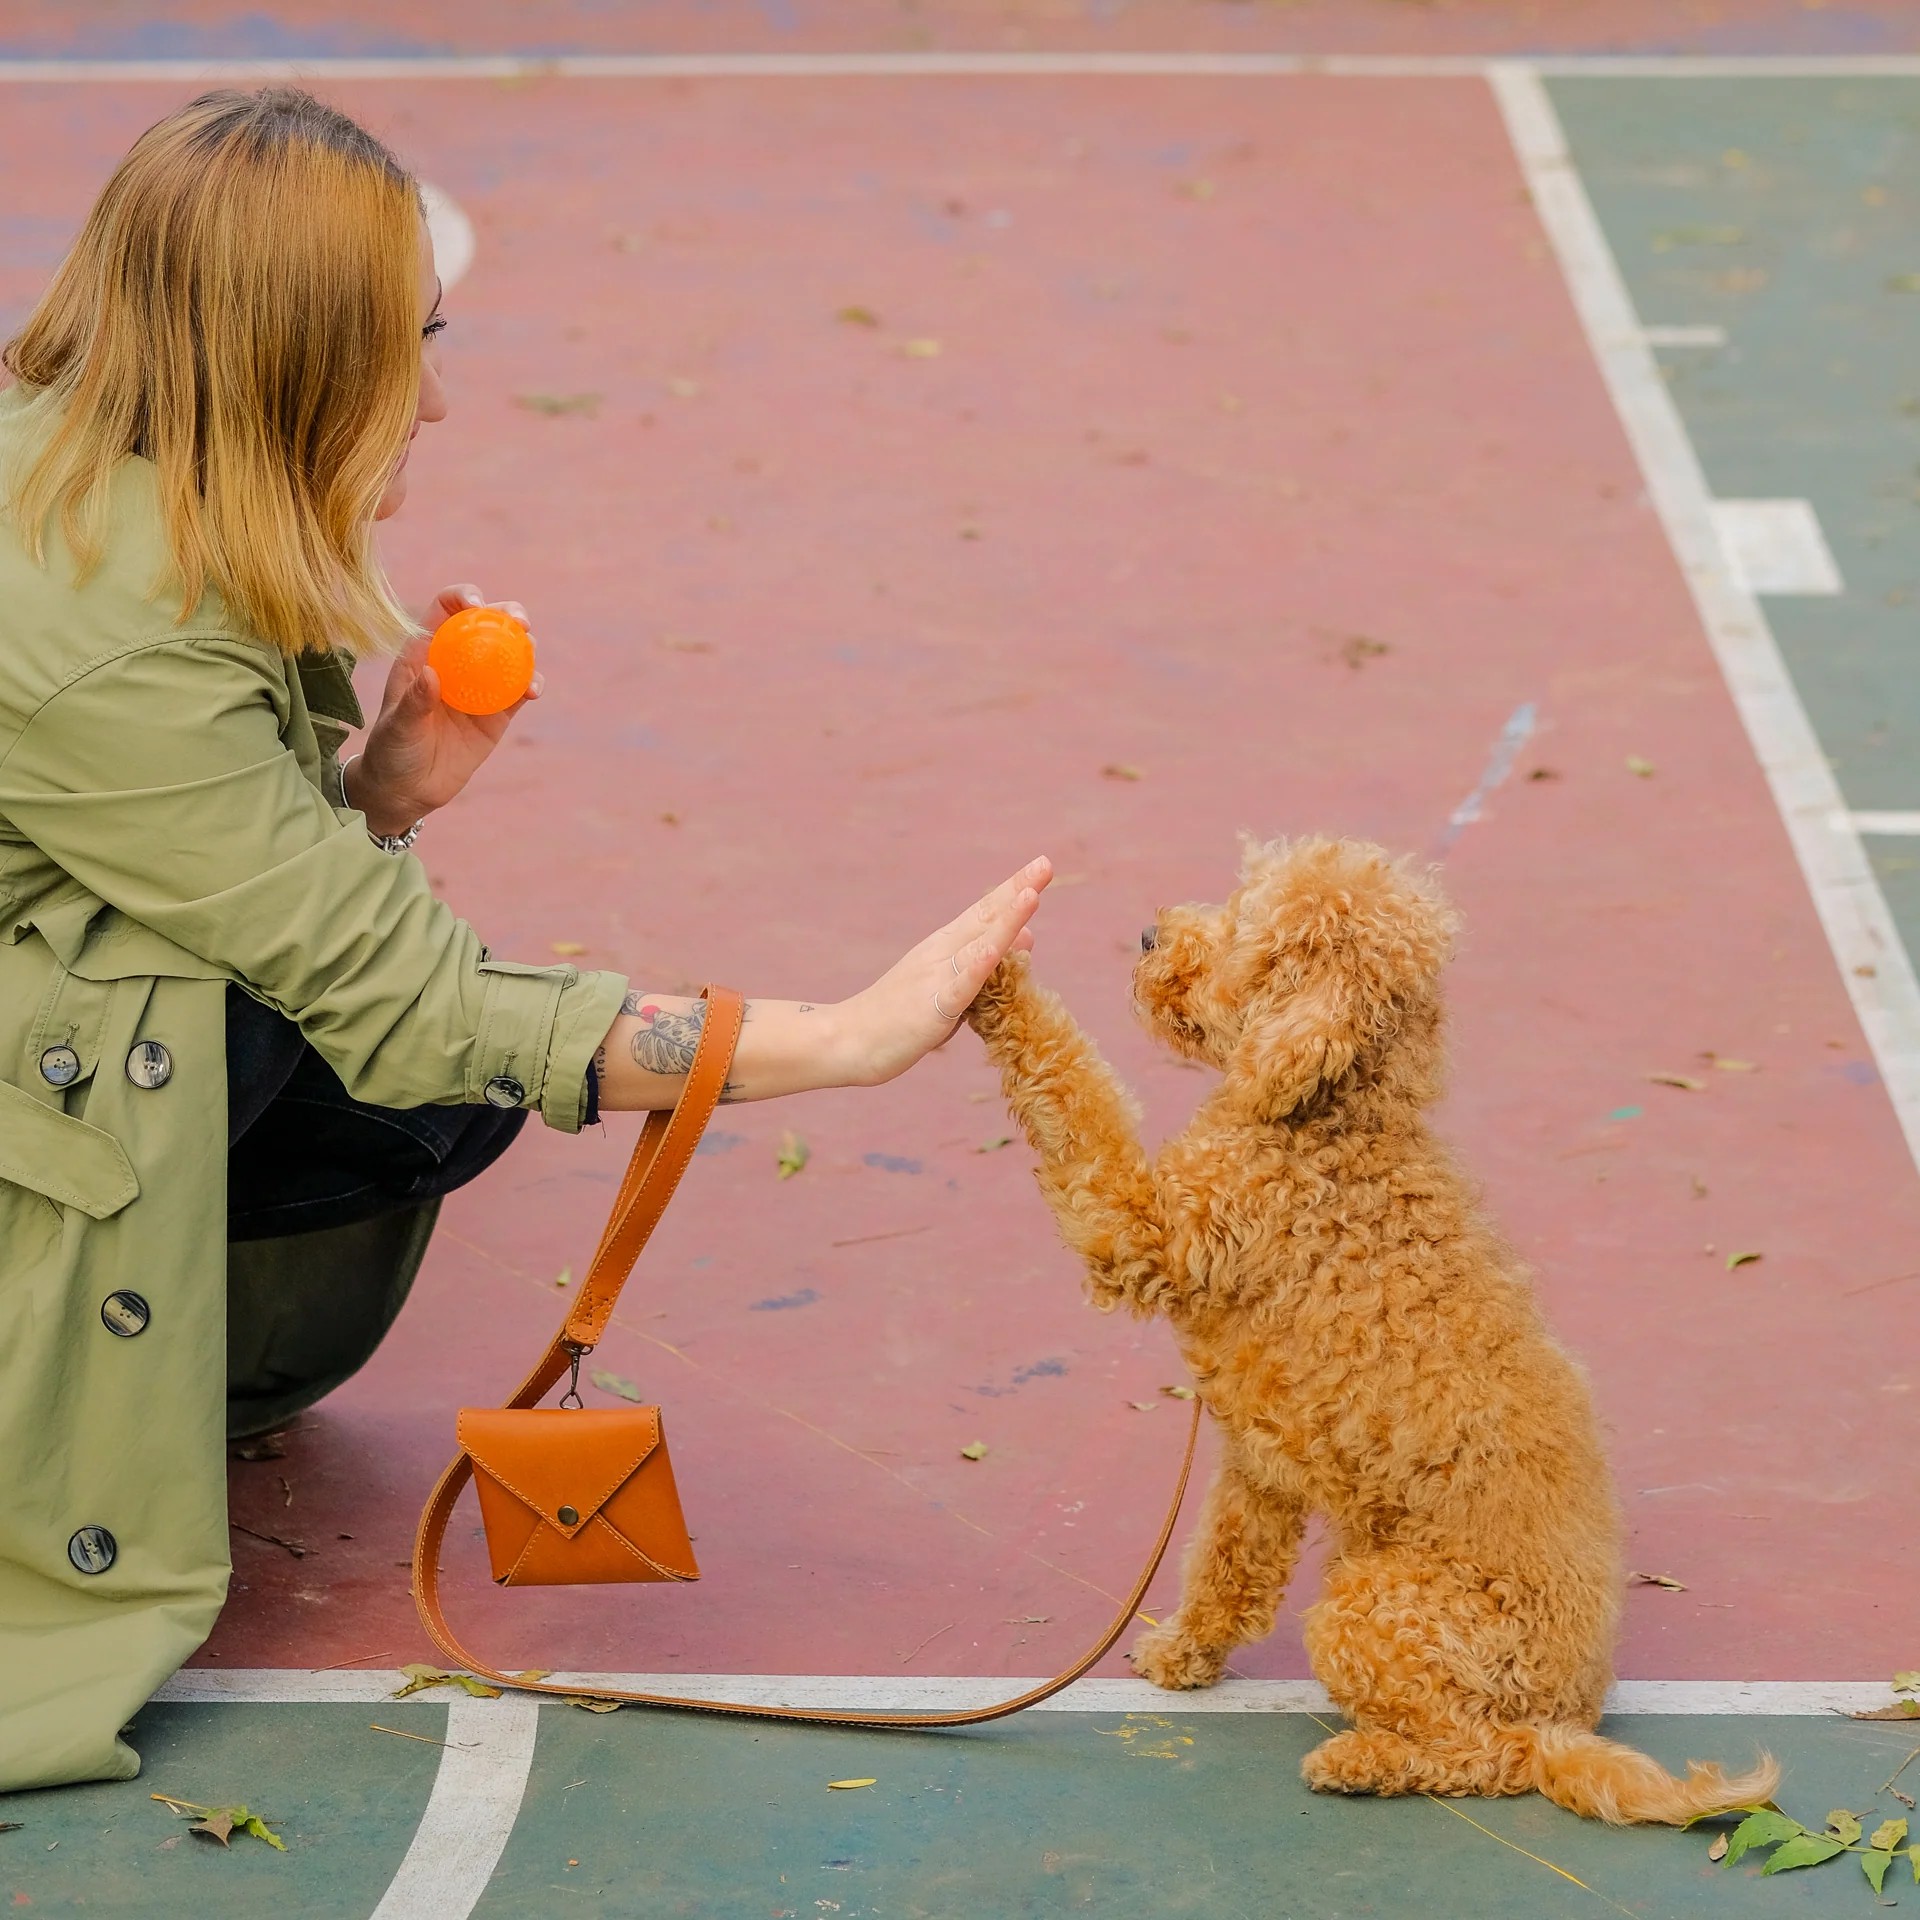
470,1814
1873,963
294,1686
818,66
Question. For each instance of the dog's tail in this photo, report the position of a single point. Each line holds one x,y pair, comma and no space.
1602,1780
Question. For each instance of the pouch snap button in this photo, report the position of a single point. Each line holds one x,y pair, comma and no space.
567,1517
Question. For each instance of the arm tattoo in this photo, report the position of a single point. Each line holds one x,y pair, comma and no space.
665,1041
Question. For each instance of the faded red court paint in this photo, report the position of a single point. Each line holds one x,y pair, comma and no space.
1227,376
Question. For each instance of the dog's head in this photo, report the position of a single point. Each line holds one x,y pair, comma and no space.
1321,969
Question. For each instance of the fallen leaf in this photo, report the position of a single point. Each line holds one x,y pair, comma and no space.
564,1278
1698,237
679,643
1143,1406
1356,650
1684,1081
1900,1710
1874,1864
794,1154
858,317
1741,1260
588,1704
846,1786
559,403
216,1826
1761,1828
1120,770
1906,1682
568,948
1543,773
420,1677
532,1673
1658,1580
1635,764
1803,1850
995,1144
612,1383
1196,189
977,1450
1030,1620
1178,1393
216,1823
921,349
1888,1834
1725,1065
1904,283
1718,1851
1843,1826
1699,1186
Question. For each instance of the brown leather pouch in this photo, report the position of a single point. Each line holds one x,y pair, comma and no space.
576,1498
572,1495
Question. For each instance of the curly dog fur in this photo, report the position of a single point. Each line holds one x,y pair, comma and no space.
1370,1348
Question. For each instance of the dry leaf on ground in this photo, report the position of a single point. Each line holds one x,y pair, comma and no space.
977,1450
1658,1580
613,1383
793,1155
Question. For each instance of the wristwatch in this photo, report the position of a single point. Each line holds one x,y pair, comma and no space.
386,842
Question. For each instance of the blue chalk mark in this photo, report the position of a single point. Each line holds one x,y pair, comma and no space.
1049,1369
782,1301
1859,1073
1506,749
891,1163
1626,1113
720,1142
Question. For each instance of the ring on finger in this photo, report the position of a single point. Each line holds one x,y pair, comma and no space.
953,960
949,1018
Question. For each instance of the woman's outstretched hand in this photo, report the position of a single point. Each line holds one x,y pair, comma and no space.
915,1005
420,752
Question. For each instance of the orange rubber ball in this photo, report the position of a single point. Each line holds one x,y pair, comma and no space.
484,659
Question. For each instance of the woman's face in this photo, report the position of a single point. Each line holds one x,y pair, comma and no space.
432,404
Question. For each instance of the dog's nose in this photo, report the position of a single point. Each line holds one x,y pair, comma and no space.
1149,939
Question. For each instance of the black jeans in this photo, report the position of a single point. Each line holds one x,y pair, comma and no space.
303,1154
330,1205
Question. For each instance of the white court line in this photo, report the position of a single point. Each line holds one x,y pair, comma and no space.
1874,965
1777,546
469,1815
1880,823
815,66
294,1686
1684,336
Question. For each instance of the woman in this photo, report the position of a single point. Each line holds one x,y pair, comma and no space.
230,1004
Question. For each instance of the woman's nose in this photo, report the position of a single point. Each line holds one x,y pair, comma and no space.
1149,939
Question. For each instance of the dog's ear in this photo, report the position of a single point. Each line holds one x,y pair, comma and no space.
1293,1045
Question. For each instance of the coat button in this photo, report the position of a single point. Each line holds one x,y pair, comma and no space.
92,1550
567,1517
504,1091
59,1066
125,1313
149,1065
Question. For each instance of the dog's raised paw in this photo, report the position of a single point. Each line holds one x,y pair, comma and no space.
1169,1659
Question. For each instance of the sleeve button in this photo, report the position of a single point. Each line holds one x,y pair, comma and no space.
149,1065
504,1091
59,1066
125,1313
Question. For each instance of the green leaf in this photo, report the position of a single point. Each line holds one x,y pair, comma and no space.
1803,1850
419,1678
1913,1857
1638,763
1740,1260
857,317
1874,1865
612,1383
994,1145
1843,1826
1887,1835
254,1825
1761,1829
976,1451
794,1154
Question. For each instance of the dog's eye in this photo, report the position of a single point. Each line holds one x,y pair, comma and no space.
1149,939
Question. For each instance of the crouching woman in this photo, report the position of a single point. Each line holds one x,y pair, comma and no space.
242,1044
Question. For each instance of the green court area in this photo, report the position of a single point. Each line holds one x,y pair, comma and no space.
1783,216
1054,1813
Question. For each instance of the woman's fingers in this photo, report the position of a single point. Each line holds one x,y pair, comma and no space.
1033,877
1005,929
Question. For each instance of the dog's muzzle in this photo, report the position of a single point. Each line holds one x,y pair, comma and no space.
1149,939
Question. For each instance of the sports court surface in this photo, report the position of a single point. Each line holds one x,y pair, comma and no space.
931,436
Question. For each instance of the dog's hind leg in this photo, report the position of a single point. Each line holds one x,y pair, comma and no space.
1082,1122
1372,1760
1236,1569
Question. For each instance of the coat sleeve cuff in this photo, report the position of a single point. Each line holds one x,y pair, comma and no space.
539,1027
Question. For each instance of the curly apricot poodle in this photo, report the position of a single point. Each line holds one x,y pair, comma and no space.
1370,1348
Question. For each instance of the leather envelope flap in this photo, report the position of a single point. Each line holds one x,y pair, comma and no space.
553,1457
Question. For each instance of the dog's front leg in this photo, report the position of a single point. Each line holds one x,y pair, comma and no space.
1081,1121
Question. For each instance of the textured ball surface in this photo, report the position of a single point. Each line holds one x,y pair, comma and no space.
484,659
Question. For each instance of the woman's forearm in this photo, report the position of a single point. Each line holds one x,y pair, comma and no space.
786,1046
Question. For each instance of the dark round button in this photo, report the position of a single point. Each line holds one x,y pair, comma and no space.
125,1313
59,1066
504,1091
149,1065
567,1517
92,1550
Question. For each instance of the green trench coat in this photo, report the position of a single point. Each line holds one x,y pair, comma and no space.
170,821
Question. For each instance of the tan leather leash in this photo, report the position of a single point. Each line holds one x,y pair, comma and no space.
660,1157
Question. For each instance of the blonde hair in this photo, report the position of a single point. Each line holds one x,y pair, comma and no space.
241,310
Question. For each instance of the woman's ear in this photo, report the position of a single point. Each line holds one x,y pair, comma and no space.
1294,1044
